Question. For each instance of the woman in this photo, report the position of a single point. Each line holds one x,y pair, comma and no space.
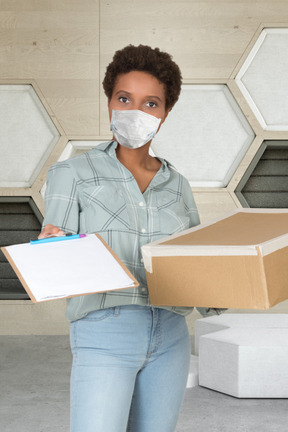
130,360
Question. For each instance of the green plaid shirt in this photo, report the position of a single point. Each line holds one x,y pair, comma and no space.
94,192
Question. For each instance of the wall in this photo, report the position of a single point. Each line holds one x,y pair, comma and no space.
62,49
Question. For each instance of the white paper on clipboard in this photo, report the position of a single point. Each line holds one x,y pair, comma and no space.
54,270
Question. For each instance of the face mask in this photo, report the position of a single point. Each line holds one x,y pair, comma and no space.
133,128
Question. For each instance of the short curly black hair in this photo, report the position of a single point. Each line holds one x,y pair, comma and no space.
146,59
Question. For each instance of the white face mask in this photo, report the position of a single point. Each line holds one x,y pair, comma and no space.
133,128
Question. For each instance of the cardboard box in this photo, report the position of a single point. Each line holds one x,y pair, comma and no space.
239,261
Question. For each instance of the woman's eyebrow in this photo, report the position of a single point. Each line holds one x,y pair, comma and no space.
123,91
154,97
129,94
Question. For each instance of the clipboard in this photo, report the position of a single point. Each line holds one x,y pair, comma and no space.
64,269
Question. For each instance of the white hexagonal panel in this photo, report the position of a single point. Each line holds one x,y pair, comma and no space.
75,148
263,79
27,135
205,136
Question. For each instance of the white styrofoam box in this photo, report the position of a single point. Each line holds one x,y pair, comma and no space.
193,377
245,363
220,322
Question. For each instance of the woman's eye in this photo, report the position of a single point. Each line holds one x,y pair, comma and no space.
151,104
123,99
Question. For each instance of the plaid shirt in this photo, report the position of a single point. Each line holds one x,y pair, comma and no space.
94,192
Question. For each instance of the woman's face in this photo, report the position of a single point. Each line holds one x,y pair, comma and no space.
139,90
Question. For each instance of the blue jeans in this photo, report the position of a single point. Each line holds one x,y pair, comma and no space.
130,368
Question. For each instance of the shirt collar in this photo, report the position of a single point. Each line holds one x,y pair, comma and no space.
107,146
164,172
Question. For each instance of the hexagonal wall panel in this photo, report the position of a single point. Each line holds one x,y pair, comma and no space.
205,136
263,79
27,135
265,183
75,148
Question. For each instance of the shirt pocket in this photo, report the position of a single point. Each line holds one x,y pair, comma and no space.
104,209
172,214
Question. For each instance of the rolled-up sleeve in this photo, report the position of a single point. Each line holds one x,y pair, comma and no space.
61,203
190,205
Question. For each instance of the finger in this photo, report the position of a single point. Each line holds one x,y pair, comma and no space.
50,231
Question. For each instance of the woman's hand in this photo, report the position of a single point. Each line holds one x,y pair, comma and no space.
50,231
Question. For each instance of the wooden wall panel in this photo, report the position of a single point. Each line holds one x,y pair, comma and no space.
213,204
57,45
22,317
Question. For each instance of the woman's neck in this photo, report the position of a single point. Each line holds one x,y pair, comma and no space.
135,158
140,163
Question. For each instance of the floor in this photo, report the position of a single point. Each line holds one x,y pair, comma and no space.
34,380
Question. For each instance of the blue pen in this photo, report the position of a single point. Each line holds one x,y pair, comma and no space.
54,239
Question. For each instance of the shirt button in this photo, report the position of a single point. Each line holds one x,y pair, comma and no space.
141,203
143,230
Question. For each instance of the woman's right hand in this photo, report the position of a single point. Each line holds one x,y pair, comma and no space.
50,231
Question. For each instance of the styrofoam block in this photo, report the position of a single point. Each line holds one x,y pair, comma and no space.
220,322
245,363
193,377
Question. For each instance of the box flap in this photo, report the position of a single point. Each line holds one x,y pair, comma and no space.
150,251
241,228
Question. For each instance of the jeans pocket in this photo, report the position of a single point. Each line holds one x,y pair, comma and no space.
85,332
99,315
